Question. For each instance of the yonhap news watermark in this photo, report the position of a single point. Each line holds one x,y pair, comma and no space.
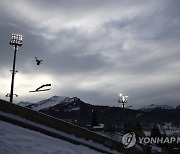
130,139
159,140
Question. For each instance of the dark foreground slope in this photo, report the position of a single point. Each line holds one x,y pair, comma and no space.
59,125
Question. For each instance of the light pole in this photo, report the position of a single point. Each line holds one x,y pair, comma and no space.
8,95
16,40
122,99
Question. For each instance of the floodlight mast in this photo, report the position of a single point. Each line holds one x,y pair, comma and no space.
122,99
16,41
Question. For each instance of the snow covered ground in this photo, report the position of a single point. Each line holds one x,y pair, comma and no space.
18,140
167,128
72,137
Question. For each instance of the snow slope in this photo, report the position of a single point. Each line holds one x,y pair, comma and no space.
17,140
153,106
23,104
48,102
82,141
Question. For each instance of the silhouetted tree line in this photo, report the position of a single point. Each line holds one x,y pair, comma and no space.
136,128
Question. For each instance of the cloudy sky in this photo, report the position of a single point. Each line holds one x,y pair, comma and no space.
93,49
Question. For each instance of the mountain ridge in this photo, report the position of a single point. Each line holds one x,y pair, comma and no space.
153,106
52,101
46,103
78,112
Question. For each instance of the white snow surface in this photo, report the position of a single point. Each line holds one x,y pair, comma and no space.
49,102
23,104
99,126
18,140
153,106
52,102
90,142
167,128
72,109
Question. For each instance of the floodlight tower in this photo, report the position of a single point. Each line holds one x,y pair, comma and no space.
122,99
16,41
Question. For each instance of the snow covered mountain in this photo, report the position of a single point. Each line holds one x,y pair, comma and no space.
153,106
51,102
178,107
78,112
23,104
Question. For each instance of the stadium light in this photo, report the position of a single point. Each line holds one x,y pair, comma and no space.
16,41
122,99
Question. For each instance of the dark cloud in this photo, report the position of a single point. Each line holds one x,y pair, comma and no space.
94,50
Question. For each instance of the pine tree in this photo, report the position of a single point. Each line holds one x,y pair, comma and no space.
138,128
94,121
155,132
125,128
